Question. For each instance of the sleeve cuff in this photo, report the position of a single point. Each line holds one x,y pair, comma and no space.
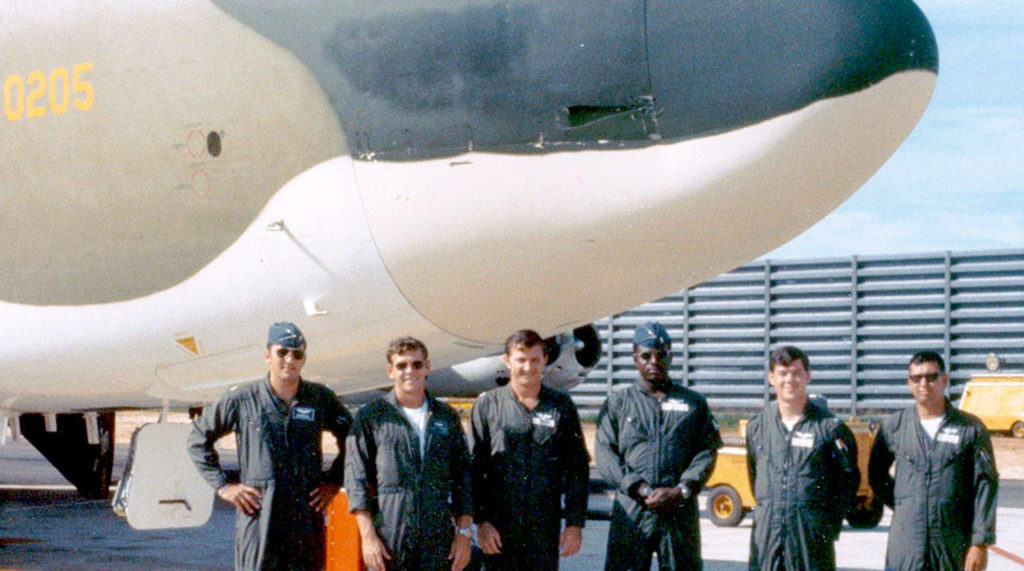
689,488
629,481
984,539
578,522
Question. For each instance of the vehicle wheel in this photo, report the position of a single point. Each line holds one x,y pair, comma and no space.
866,517
724,506
1017,430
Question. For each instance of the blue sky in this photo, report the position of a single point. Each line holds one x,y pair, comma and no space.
957,182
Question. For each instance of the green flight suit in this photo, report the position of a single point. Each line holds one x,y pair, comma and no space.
279,453
413,500
524,464
672,442
804,482
944,493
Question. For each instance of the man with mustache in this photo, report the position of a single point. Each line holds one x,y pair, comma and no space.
944,493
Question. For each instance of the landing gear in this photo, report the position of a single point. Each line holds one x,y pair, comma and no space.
87,466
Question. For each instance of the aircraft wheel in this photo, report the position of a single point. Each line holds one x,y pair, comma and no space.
1017,430
866,517
724,506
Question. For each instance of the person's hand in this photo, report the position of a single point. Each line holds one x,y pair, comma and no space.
570,541
490,539
322,495
977,558
244,498
375,554
664,499
460,552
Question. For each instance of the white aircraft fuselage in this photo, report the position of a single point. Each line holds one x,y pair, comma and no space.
178,175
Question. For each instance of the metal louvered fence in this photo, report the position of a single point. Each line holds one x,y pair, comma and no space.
859,320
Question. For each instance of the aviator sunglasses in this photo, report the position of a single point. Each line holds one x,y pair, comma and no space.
297,354
418,365
929,378
646,355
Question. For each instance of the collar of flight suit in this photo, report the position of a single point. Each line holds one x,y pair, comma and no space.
267,393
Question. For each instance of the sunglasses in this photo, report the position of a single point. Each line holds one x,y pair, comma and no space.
418,365
646,355
929,378
297,354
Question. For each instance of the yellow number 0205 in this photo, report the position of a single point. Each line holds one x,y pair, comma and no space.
39,93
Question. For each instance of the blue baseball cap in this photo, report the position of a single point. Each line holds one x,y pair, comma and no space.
286,334
652,335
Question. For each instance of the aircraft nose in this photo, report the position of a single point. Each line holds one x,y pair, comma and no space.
717,66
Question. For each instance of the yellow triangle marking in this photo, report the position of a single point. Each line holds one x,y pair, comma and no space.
189,343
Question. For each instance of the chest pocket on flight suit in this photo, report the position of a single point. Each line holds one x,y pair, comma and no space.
544,424
631,433
304,423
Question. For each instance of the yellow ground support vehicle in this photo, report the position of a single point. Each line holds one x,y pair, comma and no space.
998,400
731,496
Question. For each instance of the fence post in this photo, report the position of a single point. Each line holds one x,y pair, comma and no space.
767,329
610,358
853,335
686,338
947,319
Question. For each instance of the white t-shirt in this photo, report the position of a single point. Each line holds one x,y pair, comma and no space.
931,426
418,419
789,424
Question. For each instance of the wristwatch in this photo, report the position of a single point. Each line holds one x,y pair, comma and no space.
465,532
685,489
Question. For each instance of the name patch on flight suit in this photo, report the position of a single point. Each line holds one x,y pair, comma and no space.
673,405
949,434
544,419
304,413
440,427
803,439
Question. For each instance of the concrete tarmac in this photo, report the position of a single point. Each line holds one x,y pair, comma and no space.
57,530
45,525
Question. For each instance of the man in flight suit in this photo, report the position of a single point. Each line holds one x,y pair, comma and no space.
657,442
944,493
407,472
528,454
283,492
803,469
